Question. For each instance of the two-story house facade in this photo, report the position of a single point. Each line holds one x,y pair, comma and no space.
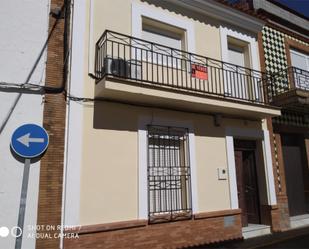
167,139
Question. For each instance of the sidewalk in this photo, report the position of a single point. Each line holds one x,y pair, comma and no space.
268,241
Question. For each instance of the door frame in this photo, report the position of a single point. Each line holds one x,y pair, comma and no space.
253,134
254,151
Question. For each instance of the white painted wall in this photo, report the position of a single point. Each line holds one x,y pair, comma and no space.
23,32
74,126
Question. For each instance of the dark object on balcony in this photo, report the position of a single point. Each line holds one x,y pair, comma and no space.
115,66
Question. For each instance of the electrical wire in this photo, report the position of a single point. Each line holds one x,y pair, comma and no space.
30,86
78,99
19,85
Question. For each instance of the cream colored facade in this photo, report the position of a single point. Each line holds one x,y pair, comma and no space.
103,173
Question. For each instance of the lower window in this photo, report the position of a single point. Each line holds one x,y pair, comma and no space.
169,179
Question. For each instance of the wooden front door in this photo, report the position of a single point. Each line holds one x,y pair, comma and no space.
248,194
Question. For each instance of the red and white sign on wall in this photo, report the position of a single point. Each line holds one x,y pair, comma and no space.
199,72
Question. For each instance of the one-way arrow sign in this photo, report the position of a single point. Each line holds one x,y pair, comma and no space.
29,140
26,139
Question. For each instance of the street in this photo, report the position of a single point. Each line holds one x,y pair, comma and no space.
296,238
298,242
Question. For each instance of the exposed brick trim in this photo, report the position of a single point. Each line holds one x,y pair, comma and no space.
281,165
288,32
109,227
280,219
180,234
51,167
214,214
277,215
140,223
280,216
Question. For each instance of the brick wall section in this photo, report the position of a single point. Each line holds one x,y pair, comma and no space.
280,218
51,170
180,234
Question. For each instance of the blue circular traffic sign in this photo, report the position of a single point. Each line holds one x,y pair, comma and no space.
29,140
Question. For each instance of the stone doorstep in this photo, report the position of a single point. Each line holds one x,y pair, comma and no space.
299,221
255,230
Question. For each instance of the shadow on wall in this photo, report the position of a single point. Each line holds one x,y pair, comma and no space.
124,117
114,116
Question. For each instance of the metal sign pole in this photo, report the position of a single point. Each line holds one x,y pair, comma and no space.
27,141
22,205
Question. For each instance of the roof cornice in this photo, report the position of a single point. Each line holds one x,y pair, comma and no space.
223,12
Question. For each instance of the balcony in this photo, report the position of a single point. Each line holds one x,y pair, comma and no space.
134,70
290,89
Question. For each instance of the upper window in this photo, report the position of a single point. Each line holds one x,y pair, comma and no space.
300,64
163,34
299,60
180,30
236,55
166,35
238,52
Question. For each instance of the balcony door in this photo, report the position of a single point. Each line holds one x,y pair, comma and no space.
168,36
238,77
236,55
300,62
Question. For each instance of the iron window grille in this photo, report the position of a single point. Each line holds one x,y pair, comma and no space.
169,178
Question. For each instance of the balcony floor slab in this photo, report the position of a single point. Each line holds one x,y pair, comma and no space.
138,93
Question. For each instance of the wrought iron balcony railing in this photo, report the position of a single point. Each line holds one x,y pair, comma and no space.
149,63
289,79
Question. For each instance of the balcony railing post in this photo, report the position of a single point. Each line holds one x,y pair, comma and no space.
97,72
265,88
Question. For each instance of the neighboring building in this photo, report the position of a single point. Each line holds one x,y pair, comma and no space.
166,122
22,59
32,49
285,49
